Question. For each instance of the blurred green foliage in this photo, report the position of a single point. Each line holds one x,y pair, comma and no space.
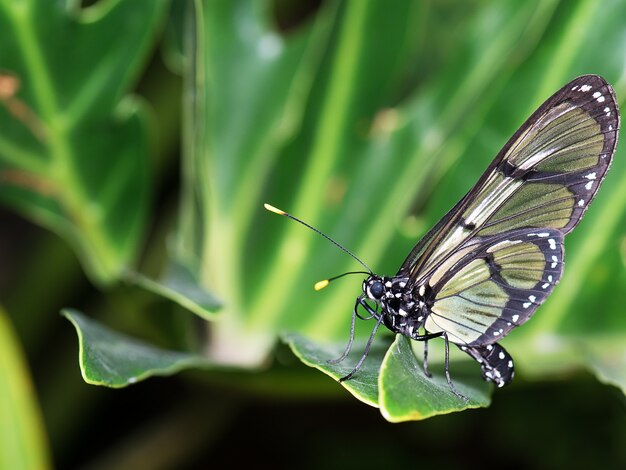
368,120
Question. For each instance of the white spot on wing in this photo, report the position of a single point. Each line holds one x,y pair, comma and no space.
501,355
589,185
532,298
550,278
596,94
515,318
581,203
600,100
546,285
591,176
552,243
585,88
526,304
543,234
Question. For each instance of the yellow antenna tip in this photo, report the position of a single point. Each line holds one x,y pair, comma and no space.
273,209
321,284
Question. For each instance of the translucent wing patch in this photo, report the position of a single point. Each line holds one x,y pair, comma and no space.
544,177
496,286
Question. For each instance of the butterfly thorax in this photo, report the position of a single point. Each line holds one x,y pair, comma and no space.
404,309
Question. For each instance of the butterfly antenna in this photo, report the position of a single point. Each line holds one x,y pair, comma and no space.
319,285
345,250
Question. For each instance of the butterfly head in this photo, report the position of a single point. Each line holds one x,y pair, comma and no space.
374,287
379,288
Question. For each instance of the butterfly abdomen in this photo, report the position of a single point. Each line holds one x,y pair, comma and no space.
496,364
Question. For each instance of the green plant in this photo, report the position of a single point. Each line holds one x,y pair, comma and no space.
369,122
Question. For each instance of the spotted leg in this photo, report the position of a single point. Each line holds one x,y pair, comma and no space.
495,362
425,363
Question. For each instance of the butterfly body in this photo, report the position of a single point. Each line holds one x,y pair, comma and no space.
403,310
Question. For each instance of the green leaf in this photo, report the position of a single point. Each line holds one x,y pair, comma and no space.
22,437
406,394
370,123
237,127
391,378
73,151
364,385
181,286
115,360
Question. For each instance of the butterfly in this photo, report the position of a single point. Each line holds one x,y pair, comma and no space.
489,263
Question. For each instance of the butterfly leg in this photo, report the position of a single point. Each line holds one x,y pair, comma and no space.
355,313
425,363
373,313
365,353
446,344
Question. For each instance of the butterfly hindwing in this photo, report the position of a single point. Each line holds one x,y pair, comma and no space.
495,286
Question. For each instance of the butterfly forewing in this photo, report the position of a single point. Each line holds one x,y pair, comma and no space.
543,178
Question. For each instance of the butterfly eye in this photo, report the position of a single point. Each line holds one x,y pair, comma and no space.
377,289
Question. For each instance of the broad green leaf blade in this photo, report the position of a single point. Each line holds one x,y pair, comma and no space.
181,286
73,151
22,436
115,360
249,87
364,385
406,394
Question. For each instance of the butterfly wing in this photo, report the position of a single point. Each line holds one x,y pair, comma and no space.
497,255
493,288
544,177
